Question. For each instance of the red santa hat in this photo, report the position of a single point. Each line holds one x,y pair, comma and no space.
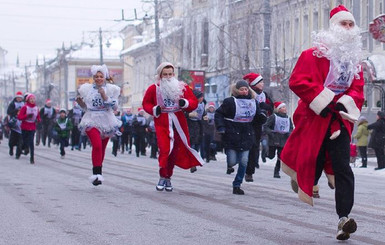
211,104
19,94
140,109
48,101
29,96
278,105
339,14
253,78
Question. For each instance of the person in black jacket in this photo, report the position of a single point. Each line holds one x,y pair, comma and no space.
48,117
194,123
377,139
140,125
75,115
278,128
15,137
234,120
256,83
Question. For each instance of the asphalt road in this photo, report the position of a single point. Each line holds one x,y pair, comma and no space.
52,202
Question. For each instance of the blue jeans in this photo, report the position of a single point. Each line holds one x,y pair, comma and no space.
234,157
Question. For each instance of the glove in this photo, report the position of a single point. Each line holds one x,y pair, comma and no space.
158,110
341,107
324,113
182,102
348,117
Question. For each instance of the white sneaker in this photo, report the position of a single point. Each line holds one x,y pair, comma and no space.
346,226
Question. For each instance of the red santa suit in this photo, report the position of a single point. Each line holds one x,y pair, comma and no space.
172,131
301,150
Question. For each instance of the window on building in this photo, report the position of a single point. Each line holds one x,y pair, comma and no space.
326,16
205,43
221,47
376,98
315,21
306,31
296,36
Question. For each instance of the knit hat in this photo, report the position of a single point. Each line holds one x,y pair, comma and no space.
381,114
361,119
19,94
29,96
253,78
241,84
198,94
278,105
63,110
339,14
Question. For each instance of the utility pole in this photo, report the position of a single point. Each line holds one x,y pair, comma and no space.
101,45
157,35
13,82
26,79
266,42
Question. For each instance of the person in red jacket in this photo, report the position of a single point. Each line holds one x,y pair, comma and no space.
29,116
329,82
166,100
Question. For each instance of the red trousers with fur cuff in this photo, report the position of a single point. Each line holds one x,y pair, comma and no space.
98,146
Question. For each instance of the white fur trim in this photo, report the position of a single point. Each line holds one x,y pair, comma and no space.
340,16
348,117
183,137
353,111
92,178
100,177
96,176
186,105
322,100
335,135
256,81
280,106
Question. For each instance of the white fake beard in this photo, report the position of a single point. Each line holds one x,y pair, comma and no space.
171,88
340,46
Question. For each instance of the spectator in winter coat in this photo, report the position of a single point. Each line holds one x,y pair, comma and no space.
140,124
234,119
128,131
278,128
63,127
29,115
75,115
48,117
152,138
194,122
377,139
362,135
208,149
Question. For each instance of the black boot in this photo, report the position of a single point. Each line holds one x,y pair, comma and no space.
364,164
32,160
96,171
11,151
238,191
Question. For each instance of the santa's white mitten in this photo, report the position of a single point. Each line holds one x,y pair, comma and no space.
351,118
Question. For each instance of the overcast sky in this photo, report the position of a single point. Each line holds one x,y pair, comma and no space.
33,28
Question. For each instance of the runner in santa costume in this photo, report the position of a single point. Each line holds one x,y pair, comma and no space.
329,82
99,100
166,100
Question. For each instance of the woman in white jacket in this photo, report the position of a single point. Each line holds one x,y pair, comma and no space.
99,100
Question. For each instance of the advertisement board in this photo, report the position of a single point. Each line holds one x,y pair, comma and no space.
195,79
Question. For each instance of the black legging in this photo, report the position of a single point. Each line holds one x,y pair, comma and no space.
28,136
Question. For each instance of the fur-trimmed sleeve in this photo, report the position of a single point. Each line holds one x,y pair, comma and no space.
84,89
